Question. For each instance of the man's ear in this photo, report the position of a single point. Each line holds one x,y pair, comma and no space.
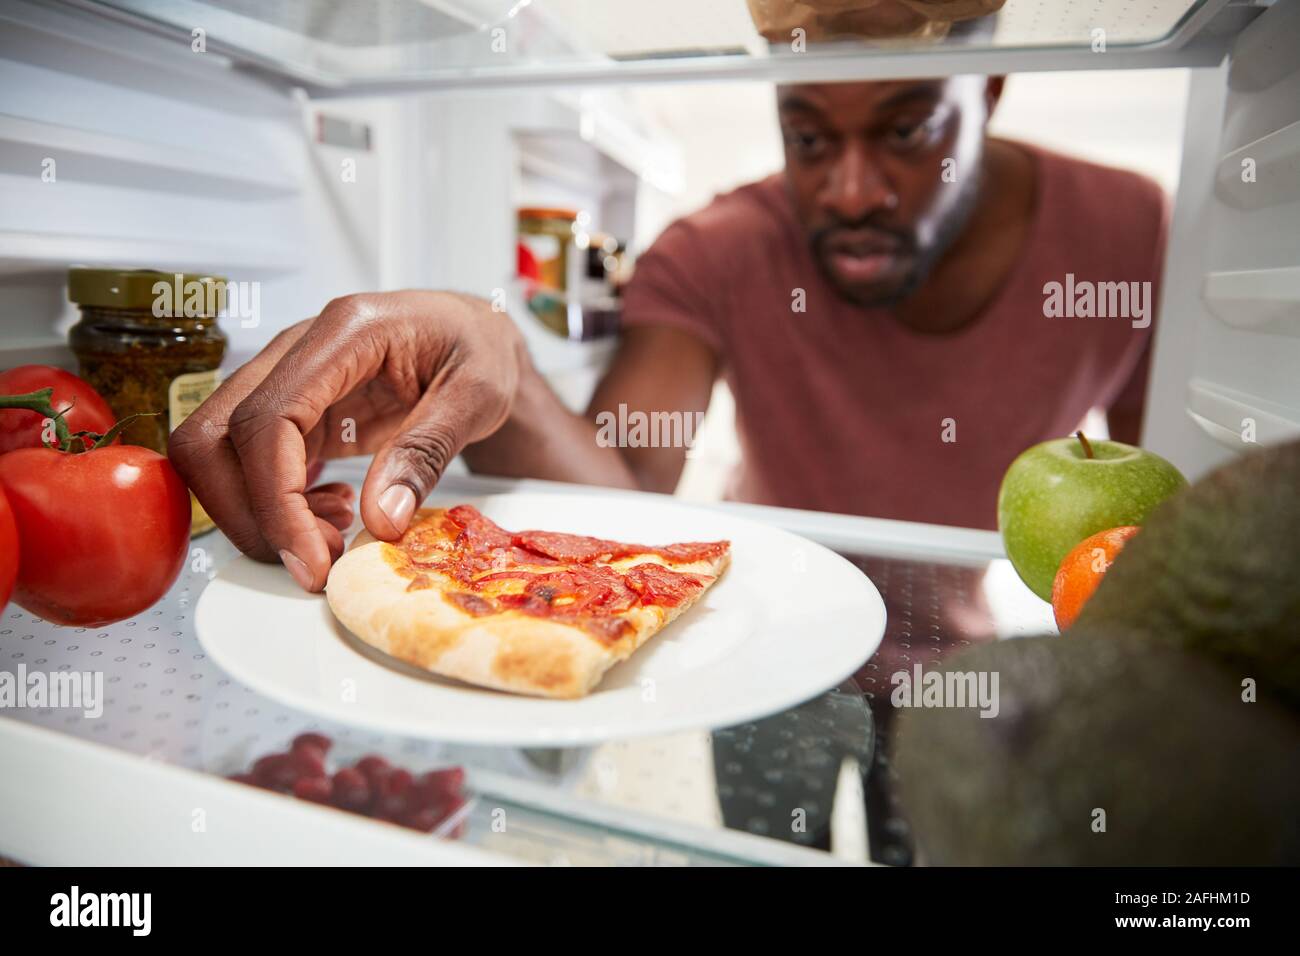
993,93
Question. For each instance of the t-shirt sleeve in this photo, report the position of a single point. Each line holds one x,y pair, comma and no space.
674,285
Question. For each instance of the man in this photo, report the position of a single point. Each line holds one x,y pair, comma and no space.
880,311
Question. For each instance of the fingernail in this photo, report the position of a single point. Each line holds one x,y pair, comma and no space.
398,503
297,568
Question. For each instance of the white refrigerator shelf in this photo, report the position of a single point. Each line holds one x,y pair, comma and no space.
144,781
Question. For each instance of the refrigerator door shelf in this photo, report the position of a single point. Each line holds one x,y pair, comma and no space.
1259,300
1237,420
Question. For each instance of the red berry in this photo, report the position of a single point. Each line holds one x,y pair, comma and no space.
308,760
424,820
439,785
315,789
319,741
390,806
396,782
351,790
372,766
275,771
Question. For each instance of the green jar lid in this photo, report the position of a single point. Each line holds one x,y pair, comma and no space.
162,293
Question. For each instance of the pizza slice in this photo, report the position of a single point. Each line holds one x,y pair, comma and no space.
531,612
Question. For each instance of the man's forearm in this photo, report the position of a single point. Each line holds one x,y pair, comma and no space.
543,439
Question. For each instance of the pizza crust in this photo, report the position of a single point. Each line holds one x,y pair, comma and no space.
509,651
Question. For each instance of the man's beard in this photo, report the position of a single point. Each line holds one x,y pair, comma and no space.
923,259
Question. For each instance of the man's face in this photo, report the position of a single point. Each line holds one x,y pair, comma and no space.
884,176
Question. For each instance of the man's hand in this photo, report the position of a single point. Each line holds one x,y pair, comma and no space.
412,377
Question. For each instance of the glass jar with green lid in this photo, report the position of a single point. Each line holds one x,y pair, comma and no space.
149,342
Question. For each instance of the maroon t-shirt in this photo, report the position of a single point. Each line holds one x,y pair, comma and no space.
841,408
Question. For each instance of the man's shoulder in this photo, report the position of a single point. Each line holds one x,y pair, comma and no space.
701,265
755,211
1103,199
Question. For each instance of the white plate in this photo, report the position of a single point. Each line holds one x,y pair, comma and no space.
788,620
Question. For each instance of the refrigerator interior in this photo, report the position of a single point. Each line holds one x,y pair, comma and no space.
345,153
120,143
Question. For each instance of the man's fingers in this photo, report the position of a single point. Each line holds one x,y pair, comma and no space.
367,360
201,450
268,427
270,450
333,539
340,489
327,502
408,467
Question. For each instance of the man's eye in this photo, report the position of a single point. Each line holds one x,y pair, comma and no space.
805,144
912,133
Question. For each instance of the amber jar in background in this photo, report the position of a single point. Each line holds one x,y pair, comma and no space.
549,236
149,342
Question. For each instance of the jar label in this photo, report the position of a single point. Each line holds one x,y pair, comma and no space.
188,392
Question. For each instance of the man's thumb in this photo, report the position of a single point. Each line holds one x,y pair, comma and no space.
408,467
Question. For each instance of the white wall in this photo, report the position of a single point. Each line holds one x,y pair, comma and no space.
1127,118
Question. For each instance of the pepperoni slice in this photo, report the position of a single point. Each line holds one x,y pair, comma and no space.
582,549
662,586
582,589
507,576
567,547
478,533
691,551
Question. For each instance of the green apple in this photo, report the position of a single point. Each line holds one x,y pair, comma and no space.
1060,492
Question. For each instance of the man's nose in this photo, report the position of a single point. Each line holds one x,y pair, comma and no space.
856,187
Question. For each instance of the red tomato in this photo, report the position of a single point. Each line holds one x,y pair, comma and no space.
8,550
83,409
102,534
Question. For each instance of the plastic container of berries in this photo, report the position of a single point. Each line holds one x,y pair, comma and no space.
433,800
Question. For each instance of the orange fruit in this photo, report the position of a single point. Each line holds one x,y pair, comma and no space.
1083,569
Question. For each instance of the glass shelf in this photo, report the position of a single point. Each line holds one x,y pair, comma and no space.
807,785
348,46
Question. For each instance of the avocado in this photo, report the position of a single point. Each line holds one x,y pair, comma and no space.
1156,738
1216,570
1140,712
